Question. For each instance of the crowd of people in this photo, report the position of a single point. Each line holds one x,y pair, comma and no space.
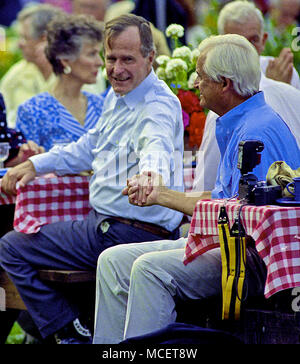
133,121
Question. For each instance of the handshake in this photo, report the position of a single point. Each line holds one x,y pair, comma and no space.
144,189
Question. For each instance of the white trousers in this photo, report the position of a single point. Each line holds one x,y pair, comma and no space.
136,285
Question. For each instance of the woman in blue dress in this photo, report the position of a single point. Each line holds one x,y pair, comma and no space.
67,112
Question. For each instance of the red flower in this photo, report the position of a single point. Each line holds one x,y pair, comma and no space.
189,101
196,128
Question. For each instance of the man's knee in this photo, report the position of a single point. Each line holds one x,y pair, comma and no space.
142,265
110,259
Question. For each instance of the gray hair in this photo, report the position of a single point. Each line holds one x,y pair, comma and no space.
66,35
239,12
232,56
117,25
40,16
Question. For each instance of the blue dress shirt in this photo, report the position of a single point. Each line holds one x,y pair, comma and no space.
252,120
140,131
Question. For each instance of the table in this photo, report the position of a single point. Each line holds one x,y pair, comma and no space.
49,199
275,230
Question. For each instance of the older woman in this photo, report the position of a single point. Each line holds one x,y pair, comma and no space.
66,112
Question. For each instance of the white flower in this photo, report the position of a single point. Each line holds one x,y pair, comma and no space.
192,80
195,54
162,60
161,73
175,65
175,30
182,52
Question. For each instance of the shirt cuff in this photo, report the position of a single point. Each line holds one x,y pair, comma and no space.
44,163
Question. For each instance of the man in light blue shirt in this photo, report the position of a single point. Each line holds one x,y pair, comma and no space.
140,130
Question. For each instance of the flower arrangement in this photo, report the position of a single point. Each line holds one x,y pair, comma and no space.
178,71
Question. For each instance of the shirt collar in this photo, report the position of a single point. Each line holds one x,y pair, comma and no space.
133,97
233,116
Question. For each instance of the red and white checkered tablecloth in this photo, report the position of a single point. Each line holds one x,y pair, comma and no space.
50,199
275,230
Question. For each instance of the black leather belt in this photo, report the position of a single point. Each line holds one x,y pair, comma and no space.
146,226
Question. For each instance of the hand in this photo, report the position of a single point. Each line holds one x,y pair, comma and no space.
281,68
26,150
22,173
144,189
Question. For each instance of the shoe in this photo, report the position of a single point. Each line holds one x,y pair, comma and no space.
74,333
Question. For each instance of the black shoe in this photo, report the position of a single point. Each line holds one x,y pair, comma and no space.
74,333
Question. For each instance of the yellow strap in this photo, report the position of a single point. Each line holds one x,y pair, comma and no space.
227,298
241,278
232,285
229,293
223,229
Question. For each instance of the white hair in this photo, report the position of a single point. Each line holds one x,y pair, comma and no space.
40,16
232,56
239,12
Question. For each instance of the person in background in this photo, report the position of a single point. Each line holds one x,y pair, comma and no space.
66,112
137,285
65,5
20,149
284,13
140,128
33,74
281,96
95,8
243,18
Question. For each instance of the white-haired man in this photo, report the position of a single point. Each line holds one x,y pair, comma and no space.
243,18
282,97
137,285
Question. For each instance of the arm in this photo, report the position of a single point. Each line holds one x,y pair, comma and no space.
159,145
71,159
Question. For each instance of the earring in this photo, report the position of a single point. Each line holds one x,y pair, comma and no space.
67,70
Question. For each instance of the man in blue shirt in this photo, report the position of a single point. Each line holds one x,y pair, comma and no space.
140,129
149,277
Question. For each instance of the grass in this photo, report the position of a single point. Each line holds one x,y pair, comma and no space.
16,335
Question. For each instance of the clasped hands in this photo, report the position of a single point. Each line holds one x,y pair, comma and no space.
144,189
